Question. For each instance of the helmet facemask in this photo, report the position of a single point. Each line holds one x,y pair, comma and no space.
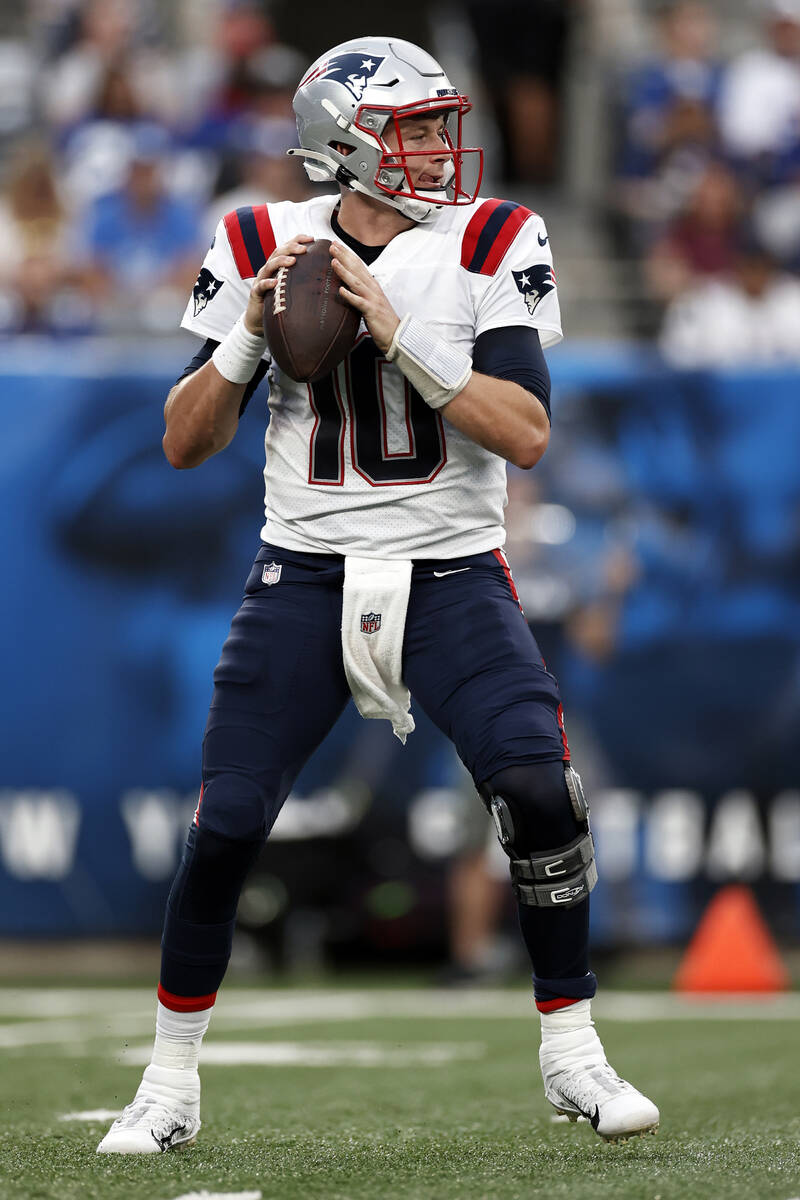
393,178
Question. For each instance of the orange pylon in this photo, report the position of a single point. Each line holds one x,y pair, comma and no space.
732,950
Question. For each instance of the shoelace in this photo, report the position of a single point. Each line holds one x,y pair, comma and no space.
590,1089
161,1120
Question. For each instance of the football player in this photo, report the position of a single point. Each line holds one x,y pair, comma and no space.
381,568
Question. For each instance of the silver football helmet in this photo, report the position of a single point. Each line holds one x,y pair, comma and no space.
353,95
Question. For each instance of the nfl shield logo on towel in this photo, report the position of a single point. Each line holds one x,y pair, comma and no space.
271,573
370,622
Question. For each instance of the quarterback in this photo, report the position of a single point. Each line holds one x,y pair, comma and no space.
381,574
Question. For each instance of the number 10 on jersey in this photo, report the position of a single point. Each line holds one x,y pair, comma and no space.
364,401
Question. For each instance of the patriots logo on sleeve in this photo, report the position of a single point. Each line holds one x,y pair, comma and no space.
205,289
353,70
534,283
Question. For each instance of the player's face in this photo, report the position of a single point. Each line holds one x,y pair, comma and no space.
430,155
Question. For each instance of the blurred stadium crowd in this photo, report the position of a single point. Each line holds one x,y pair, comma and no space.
708,184
124,144
128,129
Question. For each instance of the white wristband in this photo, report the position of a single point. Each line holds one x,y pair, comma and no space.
437,370
239,353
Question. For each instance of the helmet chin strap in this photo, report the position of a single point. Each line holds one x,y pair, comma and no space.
415,209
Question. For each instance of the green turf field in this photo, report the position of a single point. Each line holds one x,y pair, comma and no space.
393,1093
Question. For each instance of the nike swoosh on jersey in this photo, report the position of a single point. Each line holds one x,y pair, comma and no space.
455,571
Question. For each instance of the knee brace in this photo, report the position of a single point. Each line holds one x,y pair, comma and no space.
520,798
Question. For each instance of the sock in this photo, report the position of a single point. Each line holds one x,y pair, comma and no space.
179,1036
557,939
566,1020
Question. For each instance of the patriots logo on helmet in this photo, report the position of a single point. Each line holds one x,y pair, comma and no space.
205,289
534,283
353,70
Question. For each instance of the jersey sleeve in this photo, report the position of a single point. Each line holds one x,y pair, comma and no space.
242,244
507,248
219,296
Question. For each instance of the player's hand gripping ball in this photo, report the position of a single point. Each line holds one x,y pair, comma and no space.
308,326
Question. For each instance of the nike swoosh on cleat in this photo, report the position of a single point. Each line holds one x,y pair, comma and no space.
166,1141
595,1118
456,571
543,240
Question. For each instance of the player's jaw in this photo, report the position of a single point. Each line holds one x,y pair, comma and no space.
424,151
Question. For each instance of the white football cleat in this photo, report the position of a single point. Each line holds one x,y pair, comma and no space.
578,1081
159,1118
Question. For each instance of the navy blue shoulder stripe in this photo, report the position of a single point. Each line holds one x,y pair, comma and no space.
489,234
251,238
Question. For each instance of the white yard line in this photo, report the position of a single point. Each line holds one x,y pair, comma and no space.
72,1016
324,1054
71,1002
92,1114
219,1196
46,1032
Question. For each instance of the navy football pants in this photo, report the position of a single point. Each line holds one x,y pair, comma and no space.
469,660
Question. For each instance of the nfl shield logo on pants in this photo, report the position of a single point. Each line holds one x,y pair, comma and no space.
271,573
370,622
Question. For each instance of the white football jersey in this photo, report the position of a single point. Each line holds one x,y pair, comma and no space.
358,463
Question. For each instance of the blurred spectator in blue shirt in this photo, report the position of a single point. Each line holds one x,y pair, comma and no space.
96,149
258,170
760,122
141,243
668,119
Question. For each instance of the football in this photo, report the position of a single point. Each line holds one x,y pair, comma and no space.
308,327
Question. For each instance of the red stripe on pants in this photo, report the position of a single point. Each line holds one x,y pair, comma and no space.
501,558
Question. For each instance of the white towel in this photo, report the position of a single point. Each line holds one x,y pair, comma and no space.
374,604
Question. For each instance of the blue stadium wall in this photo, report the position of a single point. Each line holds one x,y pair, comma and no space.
121,575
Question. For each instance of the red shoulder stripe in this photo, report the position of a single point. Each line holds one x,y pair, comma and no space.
489,234
234,231
503,241
266,234
252,239
474,230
